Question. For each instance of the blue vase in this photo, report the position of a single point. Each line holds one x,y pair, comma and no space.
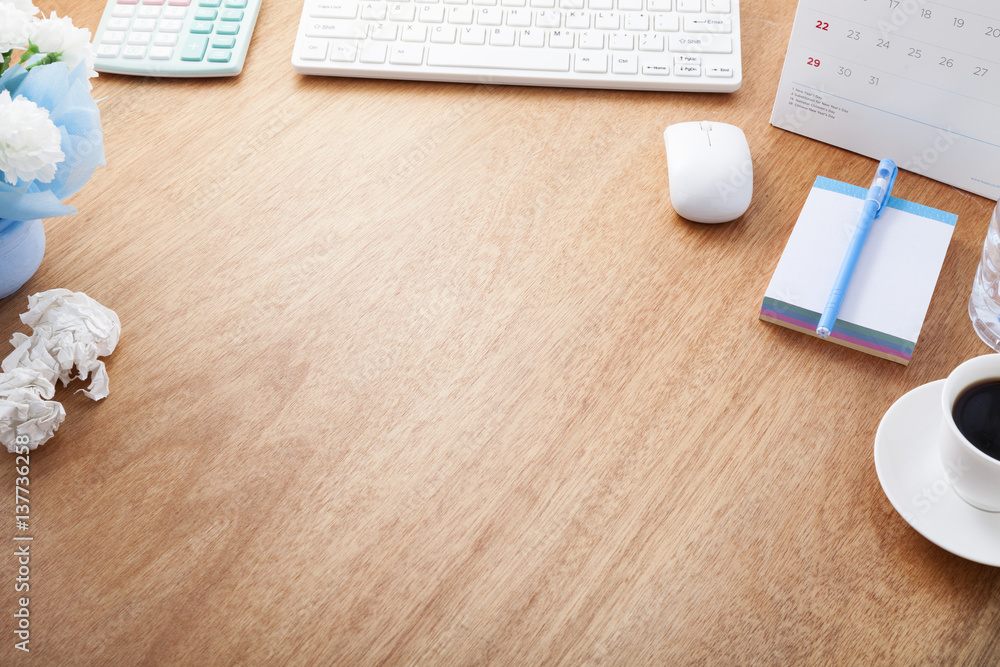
22,244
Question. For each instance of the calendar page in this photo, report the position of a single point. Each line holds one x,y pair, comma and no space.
911,80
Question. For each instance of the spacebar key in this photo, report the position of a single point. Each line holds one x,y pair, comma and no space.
497,58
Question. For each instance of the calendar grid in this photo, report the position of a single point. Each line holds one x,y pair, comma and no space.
917,82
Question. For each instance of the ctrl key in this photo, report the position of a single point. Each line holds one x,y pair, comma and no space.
194,48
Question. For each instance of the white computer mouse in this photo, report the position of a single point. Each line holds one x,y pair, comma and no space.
709,170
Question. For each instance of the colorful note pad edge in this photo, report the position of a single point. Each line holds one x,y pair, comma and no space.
852,335
844,333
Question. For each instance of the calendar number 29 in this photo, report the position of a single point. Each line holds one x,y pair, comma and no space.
813,61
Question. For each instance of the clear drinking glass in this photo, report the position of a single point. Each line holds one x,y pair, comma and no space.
984,304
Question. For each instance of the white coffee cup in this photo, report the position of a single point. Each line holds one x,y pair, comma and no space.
974,475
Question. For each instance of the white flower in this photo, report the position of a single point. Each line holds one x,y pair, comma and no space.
14,21
57,37
29,141
22,5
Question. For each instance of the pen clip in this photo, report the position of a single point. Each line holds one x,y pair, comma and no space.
885,177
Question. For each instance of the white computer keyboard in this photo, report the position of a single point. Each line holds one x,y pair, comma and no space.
677,45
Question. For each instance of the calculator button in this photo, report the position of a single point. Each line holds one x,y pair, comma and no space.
206,14
165,39
134,52
146,12
209,3
119,23
236,4
174,13
140,38
229,29
171,25
107,51
180,3
144,25
219,56
161,53
128,2
232,15
194,48
201,27
152,2
224,42
123,11
113,37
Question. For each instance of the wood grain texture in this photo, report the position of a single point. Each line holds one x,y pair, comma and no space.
418,373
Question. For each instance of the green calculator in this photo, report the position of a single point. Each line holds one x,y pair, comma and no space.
175,38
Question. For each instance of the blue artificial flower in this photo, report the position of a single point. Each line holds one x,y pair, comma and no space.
66,96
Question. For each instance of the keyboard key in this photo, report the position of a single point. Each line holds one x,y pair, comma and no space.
624,64
405,12
594,63
710,24
666,22
471,35
717,6
561,39
502,36
406,54
385,32
655,69
342,9
488,57
372,53
689,5
701,44
532,38
687,70
312,49
721,72
343,52
444,34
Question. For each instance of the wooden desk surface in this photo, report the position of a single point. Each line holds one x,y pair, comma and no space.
419,373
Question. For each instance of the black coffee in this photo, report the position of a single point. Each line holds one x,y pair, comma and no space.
977,416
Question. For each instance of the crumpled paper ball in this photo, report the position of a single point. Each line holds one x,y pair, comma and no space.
70,331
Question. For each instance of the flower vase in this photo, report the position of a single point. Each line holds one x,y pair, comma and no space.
22,244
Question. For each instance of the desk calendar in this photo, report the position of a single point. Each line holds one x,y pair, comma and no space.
911,80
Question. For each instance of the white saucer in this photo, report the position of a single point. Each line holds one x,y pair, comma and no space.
906,459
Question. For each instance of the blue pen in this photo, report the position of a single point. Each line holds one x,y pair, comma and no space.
878,195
